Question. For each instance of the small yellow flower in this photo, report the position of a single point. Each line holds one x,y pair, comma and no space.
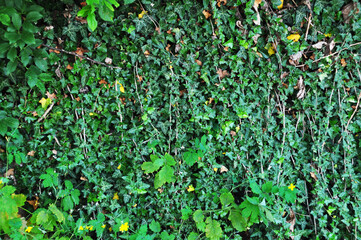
91,114
104,226
223,153
281,5
1,182
116,197
190,188
215,169
81,228
110,229
170,67
291,186
270,50
90,228
120,165
124,227
28,229
135,205
294,37
142,14
145,99
328,35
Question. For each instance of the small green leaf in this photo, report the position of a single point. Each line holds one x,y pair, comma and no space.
128,1
42,217
41,64
193,236
255,188
169,160
165,175
12,54
59,215
33,16
154,226
5,19
198,216
267,187
238,222
226,199
190,158
16,20
92,22
28,37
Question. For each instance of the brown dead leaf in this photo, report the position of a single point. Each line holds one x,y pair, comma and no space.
257,3
77,99
319,45
181,92
233,133
157,29
69,67
48,28
221,1
51,96
169,31
160,190
34,114
2,150
198,62
226,49
81,20
207,14
343,62
9,173
54,51
34,203
285,74
167,47
31,153
80,51
222,73
313,175
83,4
83,179
140,78
146,53
54,152
102,81
224,169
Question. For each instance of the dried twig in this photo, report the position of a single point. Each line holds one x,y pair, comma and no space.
46,112
81,56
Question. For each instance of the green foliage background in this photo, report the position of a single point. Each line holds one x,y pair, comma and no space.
171,129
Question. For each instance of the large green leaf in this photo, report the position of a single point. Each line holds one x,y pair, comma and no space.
33,16
213,229
92,22
16,19
165,175
226,199
238,222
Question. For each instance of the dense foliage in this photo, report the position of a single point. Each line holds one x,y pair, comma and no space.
184,119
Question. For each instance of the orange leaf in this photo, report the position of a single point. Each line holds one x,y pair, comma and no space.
198,62
31,153
69,67
102,82
51,96
34,203
207,14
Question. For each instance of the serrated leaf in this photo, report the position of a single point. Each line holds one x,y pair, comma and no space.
213,229
59,215
67,203
190,158
255,188
267,187
165,175
42,217
150,167
198,216
238,222
193,236
154,226
169,160
226,199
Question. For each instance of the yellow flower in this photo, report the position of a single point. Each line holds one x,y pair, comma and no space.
135,205
91,114
28,229
142,14
291,186
328,35
223,153
116,197
190,188
110,229
270,49
215,169
124,227
281,5
90,228
81,228
1,182
120,165
294,37
104,226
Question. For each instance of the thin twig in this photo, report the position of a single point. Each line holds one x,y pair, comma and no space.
81,56
46,112
308,26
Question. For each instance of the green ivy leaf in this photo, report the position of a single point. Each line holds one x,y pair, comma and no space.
5,19
128,1
255,188
213,229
